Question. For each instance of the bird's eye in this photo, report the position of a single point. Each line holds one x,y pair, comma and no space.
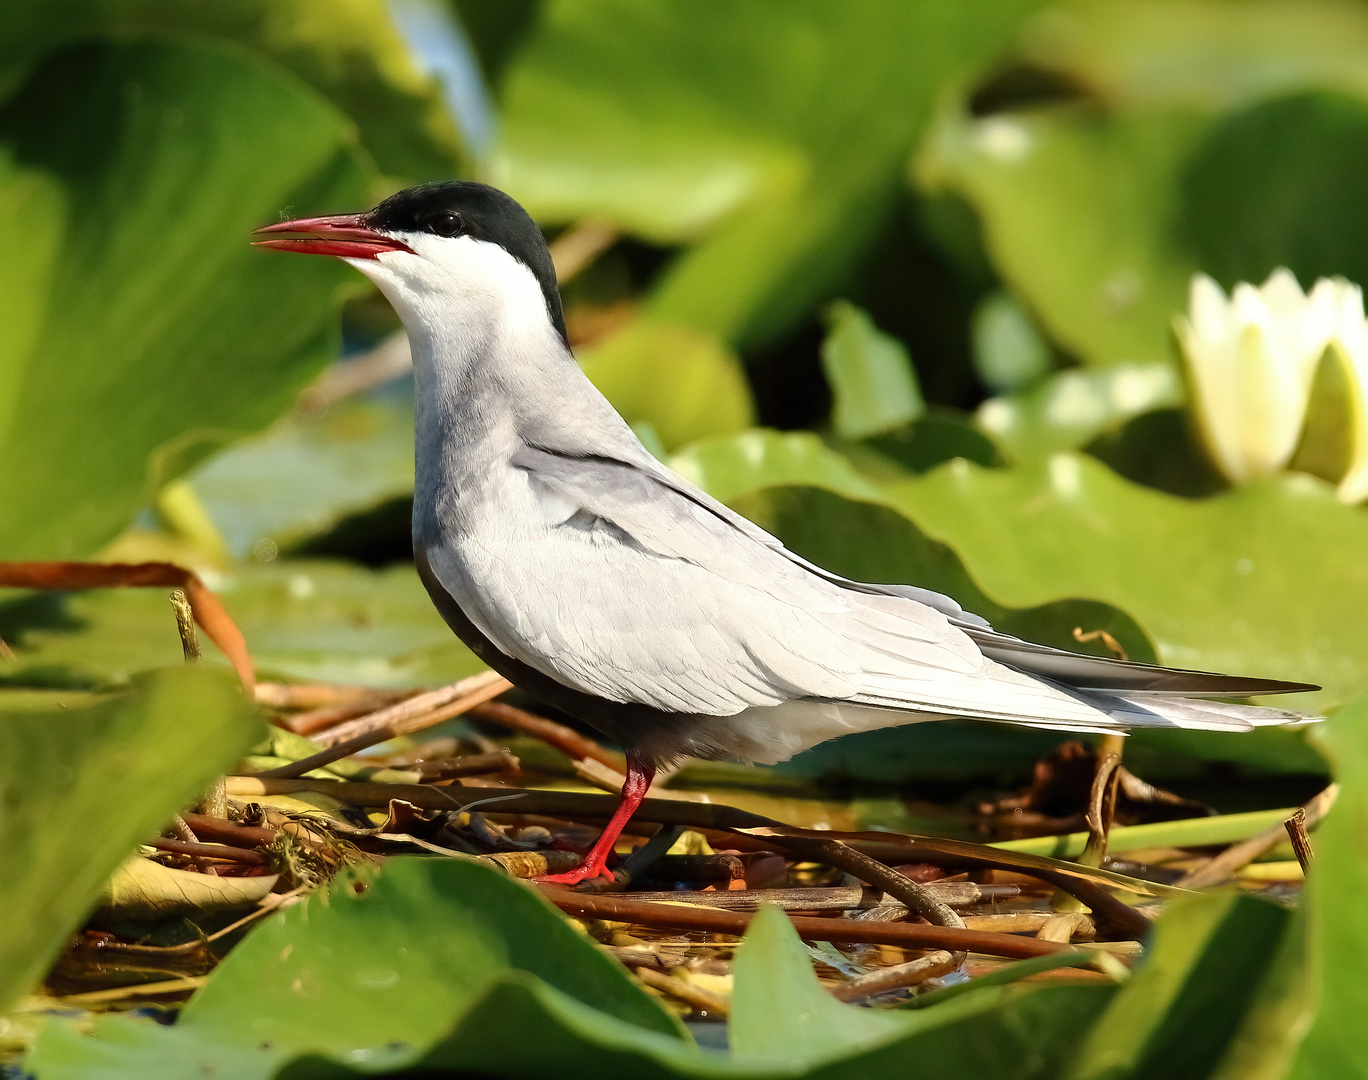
445,223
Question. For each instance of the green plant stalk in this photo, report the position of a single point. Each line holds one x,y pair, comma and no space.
1190,832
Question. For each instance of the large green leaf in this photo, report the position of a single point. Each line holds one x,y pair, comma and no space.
775,132
1280,184
782,1015
373,980
1190,1004
83,780
783,1018
303,619
1077,210
1172,158
1205,51
1223,584
150,330
349,52
1339,928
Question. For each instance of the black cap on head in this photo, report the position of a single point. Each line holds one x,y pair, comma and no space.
465,208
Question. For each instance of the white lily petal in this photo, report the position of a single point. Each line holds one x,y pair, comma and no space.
1352,345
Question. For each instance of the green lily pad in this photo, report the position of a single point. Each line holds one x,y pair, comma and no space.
148,330
305,474
731,466
303,619
1279,184
1205,51
1072,408
370,976
351,54
120,765
1226,583
873,384
773,136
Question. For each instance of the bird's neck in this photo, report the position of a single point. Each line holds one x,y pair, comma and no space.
488,381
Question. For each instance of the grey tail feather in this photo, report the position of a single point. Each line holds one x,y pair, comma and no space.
1121,676
1195,714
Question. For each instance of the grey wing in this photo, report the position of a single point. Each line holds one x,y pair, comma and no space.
600,582
625,588
643,593
1070,668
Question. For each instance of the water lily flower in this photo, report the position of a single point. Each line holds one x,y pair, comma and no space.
1278,377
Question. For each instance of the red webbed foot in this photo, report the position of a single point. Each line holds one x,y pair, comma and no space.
585,871
595,864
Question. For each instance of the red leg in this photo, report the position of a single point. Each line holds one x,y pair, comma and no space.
634,788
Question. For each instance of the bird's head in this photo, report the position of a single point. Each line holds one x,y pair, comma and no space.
458,240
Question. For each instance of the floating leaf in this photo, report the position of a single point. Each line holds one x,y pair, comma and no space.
1070,409
1278,184
1186,1005
306,620
305,474
736,465
873,383
1008,352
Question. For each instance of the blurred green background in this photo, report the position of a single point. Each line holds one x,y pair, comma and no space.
896,279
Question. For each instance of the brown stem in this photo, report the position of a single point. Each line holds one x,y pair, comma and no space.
185,624
208,851
467,765
1301,843
833,898
328,716
897,976
912,893
1081,882
1102,799
229,832
320,695
209,613
1223,866
401,719
712,921
567,740
186,835
699,998
416,713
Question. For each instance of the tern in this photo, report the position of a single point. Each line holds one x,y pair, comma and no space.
578,566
